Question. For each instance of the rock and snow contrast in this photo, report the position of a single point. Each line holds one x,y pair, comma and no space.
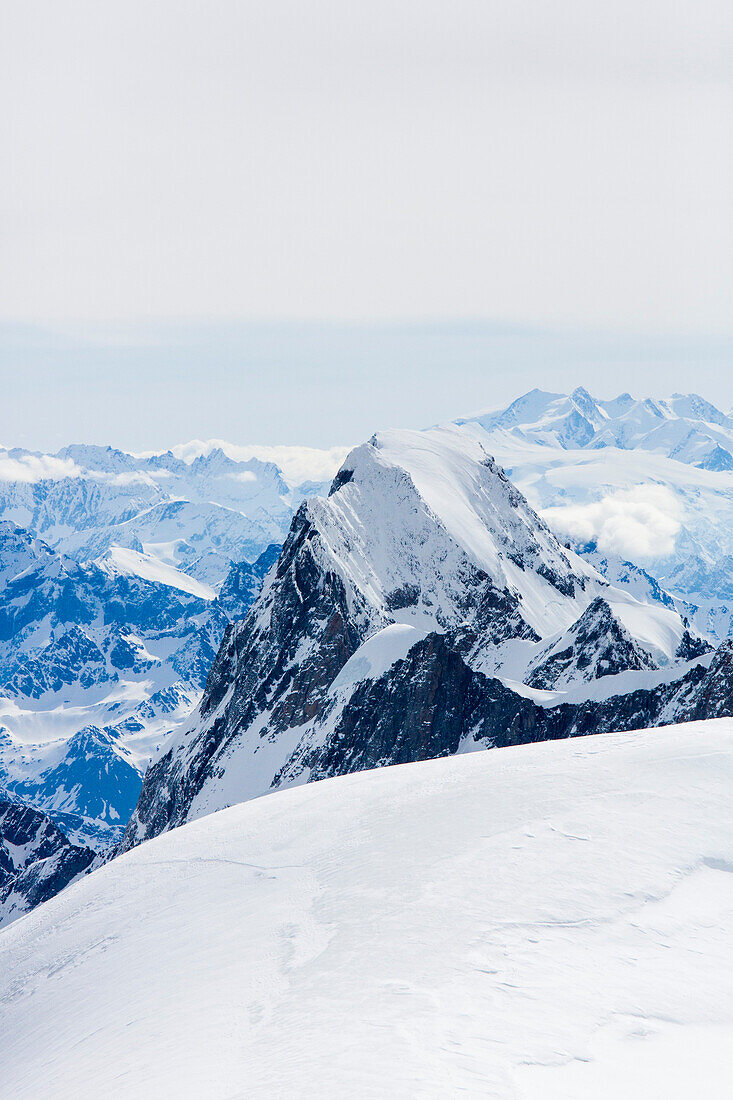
118,576
421,610
548,922
36,859
597,644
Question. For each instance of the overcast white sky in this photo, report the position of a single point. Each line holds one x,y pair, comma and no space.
535,162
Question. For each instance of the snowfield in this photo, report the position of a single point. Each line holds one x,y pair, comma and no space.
547,921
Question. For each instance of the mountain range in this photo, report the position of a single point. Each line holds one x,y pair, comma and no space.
195,515
646,481
97,664
426,601
421,610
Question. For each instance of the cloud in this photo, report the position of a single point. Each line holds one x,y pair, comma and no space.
297,464
27,468
30,468
637,523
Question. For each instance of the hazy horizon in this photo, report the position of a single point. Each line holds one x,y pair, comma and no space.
319,385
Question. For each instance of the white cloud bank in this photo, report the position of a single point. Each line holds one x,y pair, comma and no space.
29,468
638,523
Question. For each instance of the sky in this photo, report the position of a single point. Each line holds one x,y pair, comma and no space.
333,203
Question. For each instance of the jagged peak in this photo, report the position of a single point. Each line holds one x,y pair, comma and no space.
598,644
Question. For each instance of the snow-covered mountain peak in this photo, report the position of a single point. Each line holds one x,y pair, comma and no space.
298,465
420,520
683,426
597,645
199,508
89,456
692,406
380,631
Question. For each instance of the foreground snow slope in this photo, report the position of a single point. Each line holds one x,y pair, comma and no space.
549,920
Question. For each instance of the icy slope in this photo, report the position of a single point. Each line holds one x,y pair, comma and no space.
546,921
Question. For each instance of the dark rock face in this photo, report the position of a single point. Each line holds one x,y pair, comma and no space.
424,707
691,647
431,704
343,477
417,712
280,660
36,859
714,696
243,582
496,619
596,645
566,585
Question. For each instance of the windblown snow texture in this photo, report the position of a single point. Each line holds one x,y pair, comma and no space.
549,921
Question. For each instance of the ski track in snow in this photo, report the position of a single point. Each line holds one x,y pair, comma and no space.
547,921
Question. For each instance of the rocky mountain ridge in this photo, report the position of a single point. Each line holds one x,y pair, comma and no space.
400,616
36,859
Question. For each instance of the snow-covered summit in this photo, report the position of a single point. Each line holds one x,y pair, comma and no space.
420,530
685,427
417,519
